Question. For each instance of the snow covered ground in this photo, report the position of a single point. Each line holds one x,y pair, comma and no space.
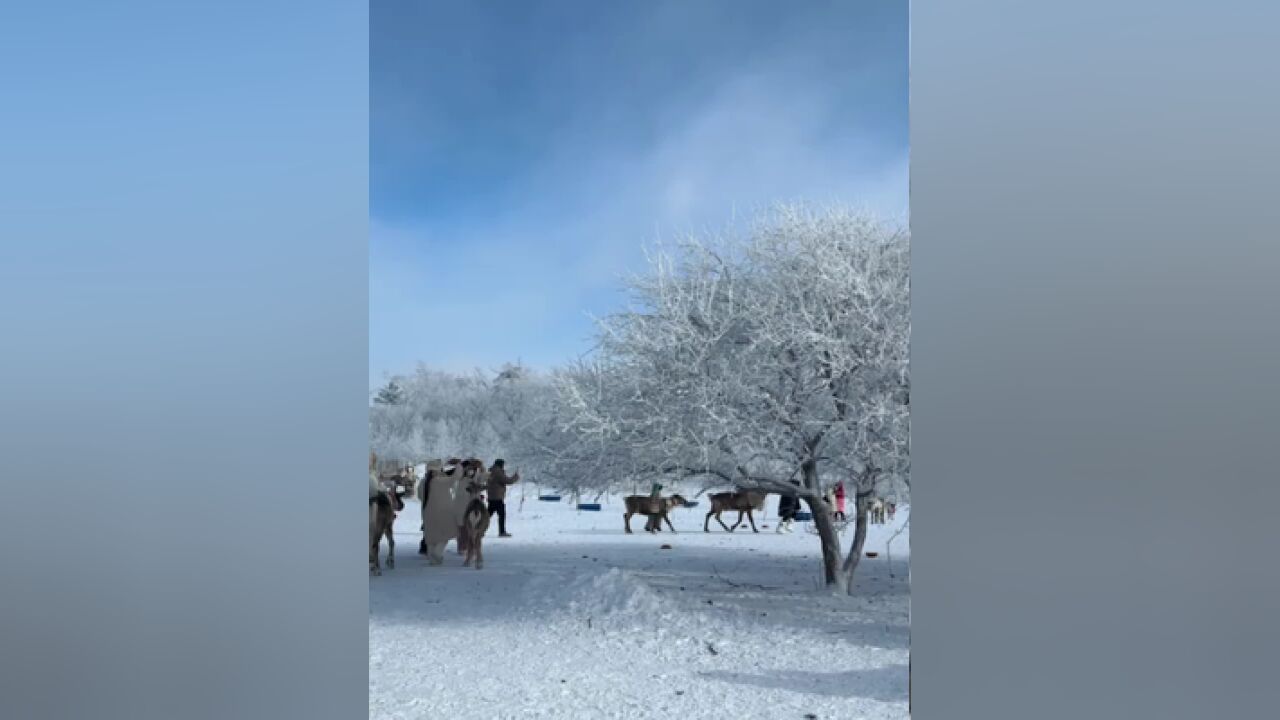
571,618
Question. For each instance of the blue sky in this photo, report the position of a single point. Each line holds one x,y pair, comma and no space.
523,153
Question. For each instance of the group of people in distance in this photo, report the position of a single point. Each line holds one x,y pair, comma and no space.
445,492
789,505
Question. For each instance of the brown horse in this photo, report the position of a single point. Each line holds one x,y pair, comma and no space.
382,517
655,509
744,501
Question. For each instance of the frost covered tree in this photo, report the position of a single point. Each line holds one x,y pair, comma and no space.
513,401
580,450
775,361
394,428
390,394
880,467
442,414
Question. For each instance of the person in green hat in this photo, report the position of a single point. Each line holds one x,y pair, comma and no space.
655,494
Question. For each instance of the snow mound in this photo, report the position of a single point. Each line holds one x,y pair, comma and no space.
615,593
616,596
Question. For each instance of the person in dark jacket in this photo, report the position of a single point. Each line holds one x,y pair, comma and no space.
496,487
788,506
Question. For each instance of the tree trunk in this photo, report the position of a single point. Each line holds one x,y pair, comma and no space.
830,539
827,533
860,510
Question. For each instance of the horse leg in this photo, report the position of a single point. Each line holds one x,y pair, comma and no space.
668,519
751,519
478,545
721,521
736,524
391,547
626,522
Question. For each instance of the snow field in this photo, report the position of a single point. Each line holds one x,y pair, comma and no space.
571,618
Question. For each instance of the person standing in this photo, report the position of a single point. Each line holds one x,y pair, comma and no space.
788,506
497,488
655,496
840,501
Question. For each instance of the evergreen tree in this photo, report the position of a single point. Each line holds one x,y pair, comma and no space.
392,394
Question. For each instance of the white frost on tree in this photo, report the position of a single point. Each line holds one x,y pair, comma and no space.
441,414
759,361
776,360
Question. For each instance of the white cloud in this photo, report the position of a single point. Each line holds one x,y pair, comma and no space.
518,280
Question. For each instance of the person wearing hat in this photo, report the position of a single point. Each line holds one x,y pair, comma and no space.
496,487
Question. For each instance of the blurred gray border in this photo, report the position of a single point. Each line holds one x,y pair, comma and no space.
183,364
1096,358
